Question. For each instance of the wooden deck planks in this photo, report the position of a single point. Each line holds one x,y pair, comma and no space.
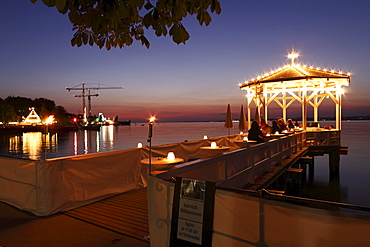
125,213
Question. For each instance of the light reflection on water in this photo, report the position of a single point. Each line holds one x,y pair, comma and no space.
37,145
353,181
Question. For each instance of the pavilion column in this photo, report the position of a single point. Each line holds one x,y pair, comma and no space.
338,108
304,106
249,111
315,111
284,105
266,107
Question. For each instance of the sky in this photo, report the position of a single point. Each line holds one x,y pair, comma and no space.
192,82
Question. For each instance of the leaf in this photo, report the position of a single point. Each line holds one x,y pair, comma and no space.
84,38
107,45
148,19
144,41
179,33
207,18
148,6
49,3
91,40
61,4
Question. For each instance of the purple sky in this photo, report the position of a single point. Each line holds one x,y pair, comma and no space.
188,82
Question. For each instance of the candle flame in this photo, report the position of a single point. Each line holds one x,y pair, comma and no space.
170,156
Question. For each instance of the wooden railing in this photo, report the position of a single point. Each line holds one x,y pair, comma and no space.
323,138
237,168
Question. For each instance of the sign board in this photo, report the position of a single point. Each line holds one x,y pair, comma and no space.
192,213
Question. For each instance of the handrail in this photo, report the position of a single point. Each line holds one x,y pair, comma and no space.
242,166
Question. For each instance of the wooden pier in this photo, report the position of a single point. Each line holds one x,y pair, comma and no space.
125,214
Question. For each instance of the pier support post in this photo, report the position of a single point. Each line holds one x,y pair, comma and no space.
334,160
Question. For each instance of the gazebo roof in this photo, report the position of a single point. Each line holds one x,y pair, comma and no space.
296,72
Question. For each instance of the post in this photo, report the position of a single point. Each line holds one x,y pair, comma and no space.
150,135
338,107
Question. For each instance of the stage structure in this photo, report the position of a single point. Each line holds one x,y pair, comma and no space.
295,82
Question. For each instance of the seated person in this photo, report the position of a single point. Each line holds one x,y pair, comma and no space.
290,124
265,128
282,124
254,133
275,127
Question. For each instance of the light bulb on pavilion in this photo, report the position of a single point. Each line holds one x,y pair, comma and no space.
205,137
139,145
170,156
245,139
213,145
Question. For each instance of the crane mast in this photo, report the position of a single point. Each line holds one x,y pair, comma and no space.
83,88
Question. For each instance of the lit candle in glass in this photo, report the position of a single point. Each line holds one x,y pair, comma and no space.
139,145
213,145
170,156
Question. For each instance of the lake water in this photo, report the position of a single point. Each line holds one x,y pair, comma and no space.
353,185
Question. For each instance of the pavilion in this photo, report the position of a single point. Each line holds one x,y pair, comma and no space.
295,82
32,118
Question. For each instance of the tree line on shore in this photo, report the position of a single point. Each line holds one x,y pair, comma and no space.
14,108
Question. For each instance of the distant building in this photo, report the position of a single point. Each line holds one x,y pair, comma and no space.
32,118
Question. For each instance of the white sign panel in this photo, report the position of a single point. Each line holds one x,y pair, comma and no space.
190,231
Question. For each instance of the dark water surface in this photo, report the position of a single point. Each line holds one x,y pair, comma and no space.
352,185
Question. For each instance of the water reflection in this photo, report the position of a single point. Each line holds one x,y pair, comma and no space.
34,145
107,135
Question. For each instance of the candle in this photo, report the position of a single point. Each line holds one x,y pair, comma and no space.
170,156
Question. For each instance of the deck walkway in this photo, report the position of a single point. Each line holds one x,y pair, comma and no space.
118,221
125,214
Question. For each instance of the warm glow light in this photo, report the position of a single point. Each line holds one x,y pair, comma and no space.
139,145
152,119
170,156
213,145
267,134
292,55
241,133
245,139
205,137
277,132
49,120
